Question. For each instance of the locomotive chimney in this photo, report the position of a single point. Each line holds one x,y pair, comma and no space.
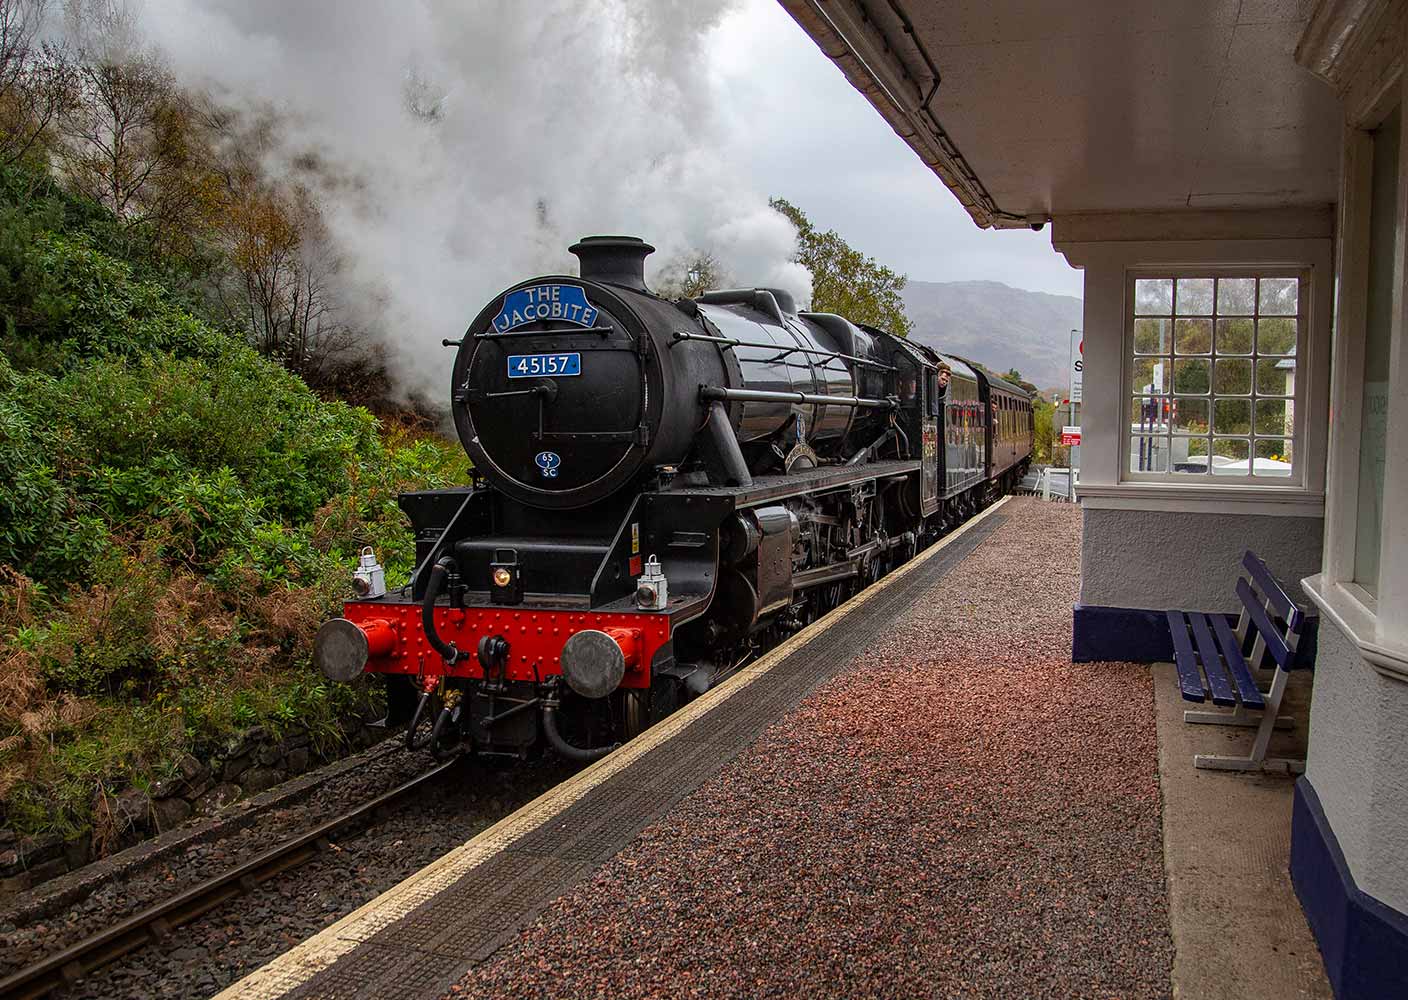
617,260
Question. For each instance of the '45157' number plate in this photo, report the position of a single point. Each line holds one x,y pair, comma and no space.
528,365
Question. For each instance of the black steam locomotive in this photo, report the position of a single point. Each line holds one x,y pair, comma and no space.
662,489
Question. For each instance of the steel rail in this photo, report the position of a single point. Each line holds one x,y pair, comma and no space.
155,923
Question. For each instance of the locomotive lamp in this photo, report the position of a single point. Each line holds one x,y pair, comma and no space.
652,589
369,579
505,580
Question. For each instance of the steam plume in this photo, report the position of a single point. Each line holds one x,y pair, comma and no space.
461,146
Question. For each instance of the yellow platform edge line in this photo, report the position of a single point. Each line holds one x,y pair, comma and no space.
299,964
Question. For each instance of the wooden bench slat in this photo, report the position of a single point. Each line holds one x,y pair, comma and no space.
1237,664
1212,662
1273,591
1190,681
1275,643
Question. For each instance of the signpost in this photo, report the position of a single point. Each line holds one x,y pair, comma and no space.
1077,365
1070,434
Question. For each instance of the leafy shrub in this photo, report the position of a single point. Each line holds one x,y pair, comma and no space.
177,516
42,527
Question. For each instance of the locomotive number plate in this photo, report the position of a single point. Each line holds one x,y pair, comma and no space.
528,365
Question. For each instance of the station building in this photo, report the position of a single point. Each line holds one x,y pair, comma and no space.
1232,178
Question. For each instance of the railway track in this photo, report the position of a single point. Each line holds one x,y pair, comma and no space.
155,923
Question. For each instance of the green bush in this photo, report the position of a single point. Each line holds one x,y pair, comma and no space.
177,515
96,305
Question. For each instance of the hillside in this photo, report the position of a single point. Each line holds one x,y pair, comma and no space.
177,515
1001,326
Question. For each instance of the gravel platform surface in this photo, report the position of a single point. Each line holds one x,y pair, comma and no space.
205,956
965,814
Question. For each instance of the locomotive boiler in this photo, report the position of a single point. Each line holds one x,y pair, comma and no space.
662,489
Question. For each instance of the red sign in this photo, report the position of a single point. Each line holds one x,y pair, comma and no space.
1070,436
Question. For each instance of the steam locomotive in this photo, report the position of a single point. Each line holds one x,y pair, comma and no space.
662,489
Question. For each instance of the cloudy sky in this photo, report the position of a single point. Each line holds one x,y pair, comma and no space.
802,132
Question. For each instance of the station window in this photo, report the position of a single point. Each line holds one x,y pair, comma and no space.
1212,376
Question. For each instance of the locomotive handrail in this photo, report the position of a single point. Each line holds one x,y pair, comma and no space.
545,389
680,335
710,393
495,335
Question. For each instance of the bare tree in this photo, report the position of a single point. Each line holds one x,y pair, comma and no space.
36,80
281,269
318,341
124,136
690,275
423,99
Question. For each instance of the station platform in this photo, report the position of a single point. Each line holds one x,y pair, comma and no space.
919,796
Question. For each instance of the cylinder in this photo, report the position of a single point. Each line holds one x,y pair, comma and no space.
342,648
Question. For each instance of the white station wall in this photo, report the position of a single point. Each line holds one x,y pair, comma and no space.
1358,764
1157,560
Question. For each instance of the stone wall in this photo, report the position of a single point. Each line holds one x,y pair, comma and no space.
252,762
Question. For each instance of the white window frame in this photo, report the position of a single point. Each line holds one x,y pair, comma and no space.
1299,478
1108,248
1378,624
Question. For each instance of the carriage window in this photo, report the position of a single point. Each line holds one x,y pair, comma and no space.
1213,380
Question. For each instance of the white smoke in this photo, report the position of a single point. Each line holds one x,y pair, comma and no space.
539,122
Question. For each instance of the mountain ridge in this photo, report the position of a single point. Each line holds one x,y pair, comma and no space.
997,324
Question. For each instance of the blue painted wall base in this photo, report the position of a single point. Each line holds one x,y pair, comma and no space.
1363,942
1119,634
1136,635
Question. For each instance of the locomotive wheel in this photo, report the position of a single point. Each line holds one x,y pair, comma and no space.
635,713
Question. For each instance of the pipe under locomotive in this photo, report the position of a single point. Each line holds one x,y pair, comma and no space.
662,489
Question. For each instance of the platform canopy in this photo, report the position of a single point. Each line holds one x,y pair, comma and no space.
1028,109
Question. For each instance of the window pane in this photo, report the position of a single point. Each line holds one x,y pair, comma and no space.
1190,416
1149,375
1279,296
1190,377
1213,366
1190,456
1274,417
1151,336
1194,297
1273,457
1153,296
1275,376
1148,454
1230,456
1232,416
1373,427
1276,336
1192,336
1234,377
1236,296
1234,336
1148,413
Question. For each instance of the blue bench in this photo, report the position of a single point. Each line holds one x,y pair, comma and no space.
1213,663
